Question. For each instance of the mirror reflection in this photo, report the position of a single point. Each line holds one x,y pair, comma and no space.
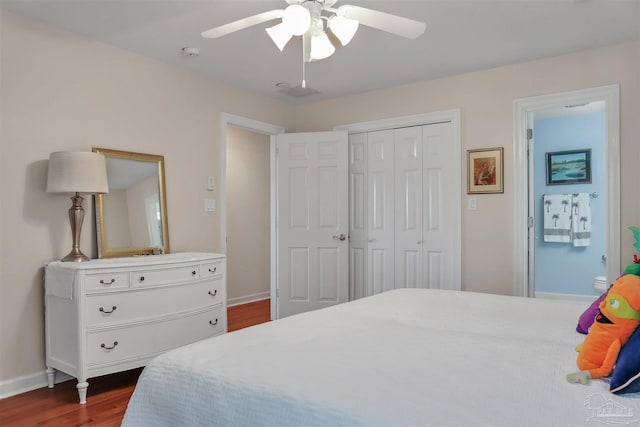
131,219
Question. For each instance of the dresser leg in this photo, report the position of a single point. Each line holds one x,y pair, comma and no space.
82,391
51,376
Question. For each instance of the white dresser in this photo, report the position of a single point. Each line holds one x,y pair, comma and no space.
110,315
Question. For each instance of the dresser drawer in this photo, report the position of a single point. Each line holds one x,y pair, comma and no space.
105,281
151,302
213,269
147,339
163,276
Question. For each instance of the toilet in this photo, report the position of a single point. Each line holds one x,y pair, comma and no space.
600,284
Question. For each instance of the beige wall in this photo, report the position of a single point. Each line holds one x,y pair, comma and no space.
485,99
248,213
59,91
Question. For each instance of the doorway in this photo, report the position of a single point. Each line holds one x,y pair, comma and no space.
227,121
524,187
566,264
248,228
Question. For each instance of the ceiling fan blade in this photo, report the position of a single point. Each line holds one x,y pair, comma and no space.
394,24
241,24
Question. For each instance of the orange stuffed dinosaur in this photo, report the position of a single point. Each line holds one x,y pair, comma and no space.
618,318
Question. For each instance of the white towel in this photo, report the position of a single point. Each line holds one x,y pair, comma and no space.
557,218
581,219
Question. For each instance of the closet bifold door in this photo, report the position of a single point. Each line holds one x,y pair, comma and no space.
400,209
358,216
372,212
381,211
438,223
408,207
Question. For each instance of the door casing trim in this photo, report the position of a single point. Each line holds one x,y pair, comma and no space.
522,286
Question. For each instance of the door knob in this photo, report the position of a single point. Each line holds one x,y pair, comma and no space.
341,237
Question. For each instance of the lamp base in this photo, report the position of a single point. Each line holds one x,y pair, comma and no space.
76,216
75,256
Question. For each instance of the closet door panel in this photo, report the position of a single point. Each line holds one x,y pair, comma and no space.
439,225
380,208
357,273
408,207
358,216
433,270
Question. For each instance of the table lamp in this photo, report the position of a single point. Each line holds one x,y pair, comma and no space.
76,172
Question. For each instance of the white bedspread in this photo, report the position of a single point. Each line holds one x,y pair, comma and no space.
404,357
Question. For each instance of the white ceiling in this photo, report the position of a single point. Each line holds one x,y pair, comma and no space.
461,36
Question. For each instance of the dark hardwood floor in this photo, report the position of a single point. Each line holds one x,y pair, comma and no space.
107,396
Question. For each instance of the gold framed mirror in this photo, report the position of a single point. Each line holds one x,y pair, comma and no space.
132,218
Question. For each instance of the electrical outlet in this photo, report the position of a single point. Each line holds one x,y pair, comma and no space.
210,205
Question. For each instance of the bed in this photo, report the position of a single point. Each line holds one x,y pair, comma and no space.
401,358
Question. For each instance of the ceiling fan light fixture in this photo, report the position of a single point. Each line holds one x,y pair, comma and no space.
280,34
343,28
297,19
321,47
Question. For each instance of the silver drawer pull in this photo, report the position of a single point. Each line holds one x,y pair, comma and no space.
102,310
110,282
214,270
115,343
193,273
213,323
214,293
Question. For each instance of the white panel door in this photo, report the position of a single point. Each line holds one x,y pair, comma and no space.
380,212
358,216
312,224
408,207
439,225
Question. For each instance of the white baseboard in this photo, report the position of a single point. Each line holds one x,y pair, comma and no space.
573,297
29,382
248,298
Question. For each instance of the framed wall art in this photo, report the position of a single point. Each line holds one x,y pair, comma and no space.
569,167
485,171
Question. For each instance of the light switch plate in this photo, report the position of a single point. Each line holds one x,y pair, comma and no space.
210,205
473,204
211,183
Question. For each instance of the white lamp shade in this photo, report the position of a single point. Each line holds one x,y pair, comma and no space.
77,172
321,47
280,34
343,28
297,18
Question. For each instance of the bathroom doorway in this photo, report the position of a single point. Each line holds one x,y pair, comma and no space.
569,177
525,194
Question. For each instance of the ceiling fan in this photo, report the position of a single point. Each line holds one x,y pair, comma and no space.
307,18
